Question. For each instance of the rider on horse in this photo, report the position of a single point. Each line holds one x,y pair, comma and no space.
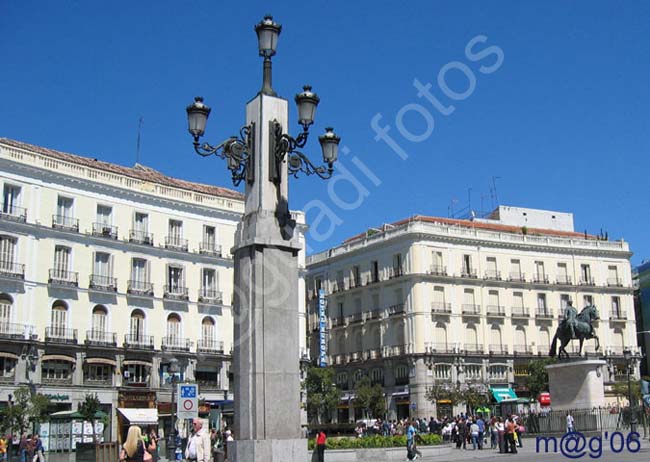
570,315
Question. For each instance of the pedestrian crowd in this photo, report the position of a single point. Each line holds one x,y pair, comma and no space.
30,448
503,434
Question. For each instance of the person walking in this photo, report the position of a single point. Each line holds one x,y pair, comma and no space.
133,448
39,450
321,442
198,447
3,449
511,447
474,432
570,423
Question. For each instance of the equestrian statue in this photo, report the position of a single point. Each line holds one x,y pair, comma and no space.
575,326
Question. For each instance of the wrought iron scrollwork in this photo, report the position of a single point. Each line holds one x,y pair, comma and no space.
288,148
238,151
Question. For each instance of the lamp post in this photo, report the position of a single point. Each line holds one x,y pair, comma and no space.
630,360
266,334
173,370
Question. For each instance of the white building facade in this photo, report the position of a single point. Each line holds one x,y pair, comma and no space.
107,273
433,301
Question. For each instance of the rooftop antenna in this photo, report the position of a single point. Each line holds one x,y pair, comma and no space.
137,151
494,191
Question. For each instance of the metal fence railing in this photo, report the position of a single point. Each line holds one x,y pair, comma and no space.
585,420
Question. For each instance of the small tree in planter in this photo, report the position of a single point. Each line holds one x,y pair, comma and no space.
88,410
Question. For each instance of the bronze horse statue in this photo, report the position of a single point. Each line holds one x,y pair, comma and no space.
583,330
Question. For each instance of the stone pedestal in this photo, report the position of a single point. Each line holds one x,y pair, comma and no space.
576,384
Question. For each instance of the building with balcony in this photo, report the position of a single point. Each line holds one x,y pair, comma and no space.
642,311
109,272
464,303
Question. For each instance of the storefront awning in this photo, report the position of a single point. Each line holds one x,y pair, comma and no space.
8,355
140,416
503,394
110,362
58,357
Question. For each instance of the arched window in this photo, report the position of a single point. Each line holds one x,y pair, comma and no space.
377,376
358,375
498,373
617,340
5,313
401,374
136,328
7,254
99,319
342,380
495,336
544,340
520,339
174,330
59,320
208,334
471,339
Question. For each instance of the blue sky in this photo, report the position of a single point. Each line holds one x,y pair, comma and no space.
562,120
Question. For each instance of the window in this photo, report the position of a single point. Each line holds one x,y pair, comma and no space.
491,268
493,299
588,300
208,330
173,329
104,215
540,275
101,373
175,230
375,302
374,271
520,339
99,326
7,254
498,373
436,257
468,299
397,265
342,380
467,265
563,274
141,223
616,307
585,274
209,243
473,372
136,373
136,327
358,375
356,276
612,276
11,200
495,335
57,370
59,319
544,341
440,336
401,372
140,275
439,299
64,212
5,314
102,269
517,299
515,269
541,303
377,376
340,283
210,284
7,367
564,301
175,279
62,261
471,338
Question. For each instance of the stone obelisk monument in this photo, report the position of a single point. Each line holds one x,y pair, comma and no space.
266,344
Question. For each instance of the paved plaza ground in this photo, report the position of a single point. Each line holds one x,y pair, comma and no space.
526,454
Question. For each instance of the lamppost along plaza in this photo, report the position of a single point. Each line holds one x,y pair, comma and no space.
630,365
265,306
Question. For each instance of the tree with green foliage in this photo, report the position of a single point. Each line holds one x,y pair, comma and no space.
26,409
88,410
322,394
370,398
621,390
444,392
537,380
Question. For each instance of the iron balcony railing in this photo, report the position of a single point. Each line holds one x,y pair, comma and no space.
373,314
540,278
13,330
614,282
207,345
587,281
438,347
494,275
60,335
140,237
372,279
543,313
104,230
65,222
14,213
173,343
176,243
355,282
338,286
473,347
564,279
63,277
103,283
618,315
498,349
438,270
395,310
209,384
520,312
210,248
440,307
140,288
100,337
468,273
395,272
495,310
517,276
468,308
522,349
356,317
12,270
175,292
337,322
209,295
139,341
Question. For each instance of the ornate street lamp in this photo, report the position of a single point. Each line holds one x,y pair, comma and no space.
173,369
630,360
266,273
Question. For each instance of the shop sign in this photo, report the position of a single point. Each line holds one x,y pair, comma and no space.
57,397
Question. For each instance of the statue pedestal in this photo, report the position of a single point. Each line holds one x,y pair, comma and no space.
576,384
